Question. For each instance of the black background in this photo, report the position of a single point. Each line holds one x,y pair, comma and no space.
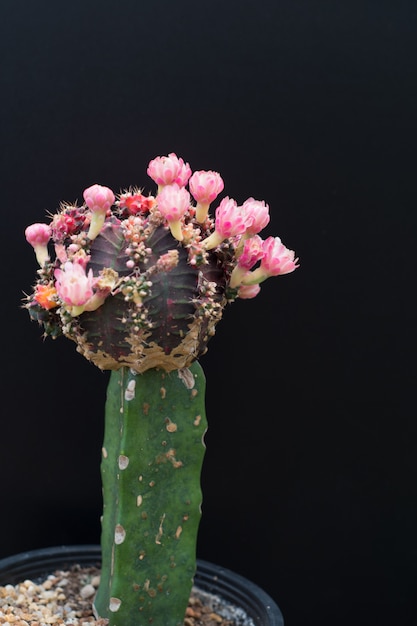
310,477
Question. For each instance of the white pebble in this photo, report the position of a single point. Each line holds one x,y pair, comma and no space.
87,591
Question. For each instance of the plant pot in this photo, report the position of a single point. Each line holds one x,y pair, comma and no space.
255,606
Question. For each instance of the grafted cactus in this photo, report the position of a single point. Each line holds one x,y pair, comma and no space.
139,283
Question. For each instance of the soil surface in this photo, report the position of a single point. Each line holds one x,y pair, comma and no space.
66,597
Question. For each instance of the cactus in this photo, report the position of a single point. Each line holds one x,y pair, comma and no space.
139,283
153,451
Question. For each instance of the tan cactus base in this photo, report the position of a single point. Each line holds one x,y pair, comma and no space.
145,356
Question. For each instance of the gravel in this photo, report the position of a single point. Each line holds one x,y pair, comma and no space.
65,598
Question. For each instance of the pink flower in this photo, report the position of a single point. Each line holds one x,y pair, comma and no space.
205,186
252,252
257,213
230,221
99,199
38,235
165,170
277,260
73,284
173,204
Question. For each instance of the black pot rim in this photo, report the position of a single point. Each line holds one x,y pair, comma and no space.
211,578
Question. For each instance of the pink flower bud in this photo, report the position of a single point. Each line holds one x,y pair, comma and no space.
230,221
98,198
206,186
165,170
38,236
61,252
257,215
173,204
248,291
64,225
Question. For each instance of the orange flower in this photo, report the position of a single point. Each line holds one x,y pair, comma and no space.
45,296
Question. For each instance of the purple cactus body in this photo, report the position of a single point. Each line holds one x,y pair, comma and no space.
177,316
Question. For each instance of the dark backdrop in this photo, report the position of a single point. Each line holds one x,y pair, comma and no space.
310,478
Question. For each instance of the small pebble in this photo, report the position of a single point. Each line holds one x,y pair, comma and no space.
87,591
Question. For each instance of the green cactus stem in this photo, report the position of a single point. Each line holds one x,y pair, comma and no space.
153,452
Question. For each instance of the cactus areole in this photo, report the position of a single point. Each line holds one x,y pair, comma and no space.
139,283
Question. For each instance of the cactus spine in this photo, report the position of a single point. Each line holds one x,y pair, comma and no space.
152,457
